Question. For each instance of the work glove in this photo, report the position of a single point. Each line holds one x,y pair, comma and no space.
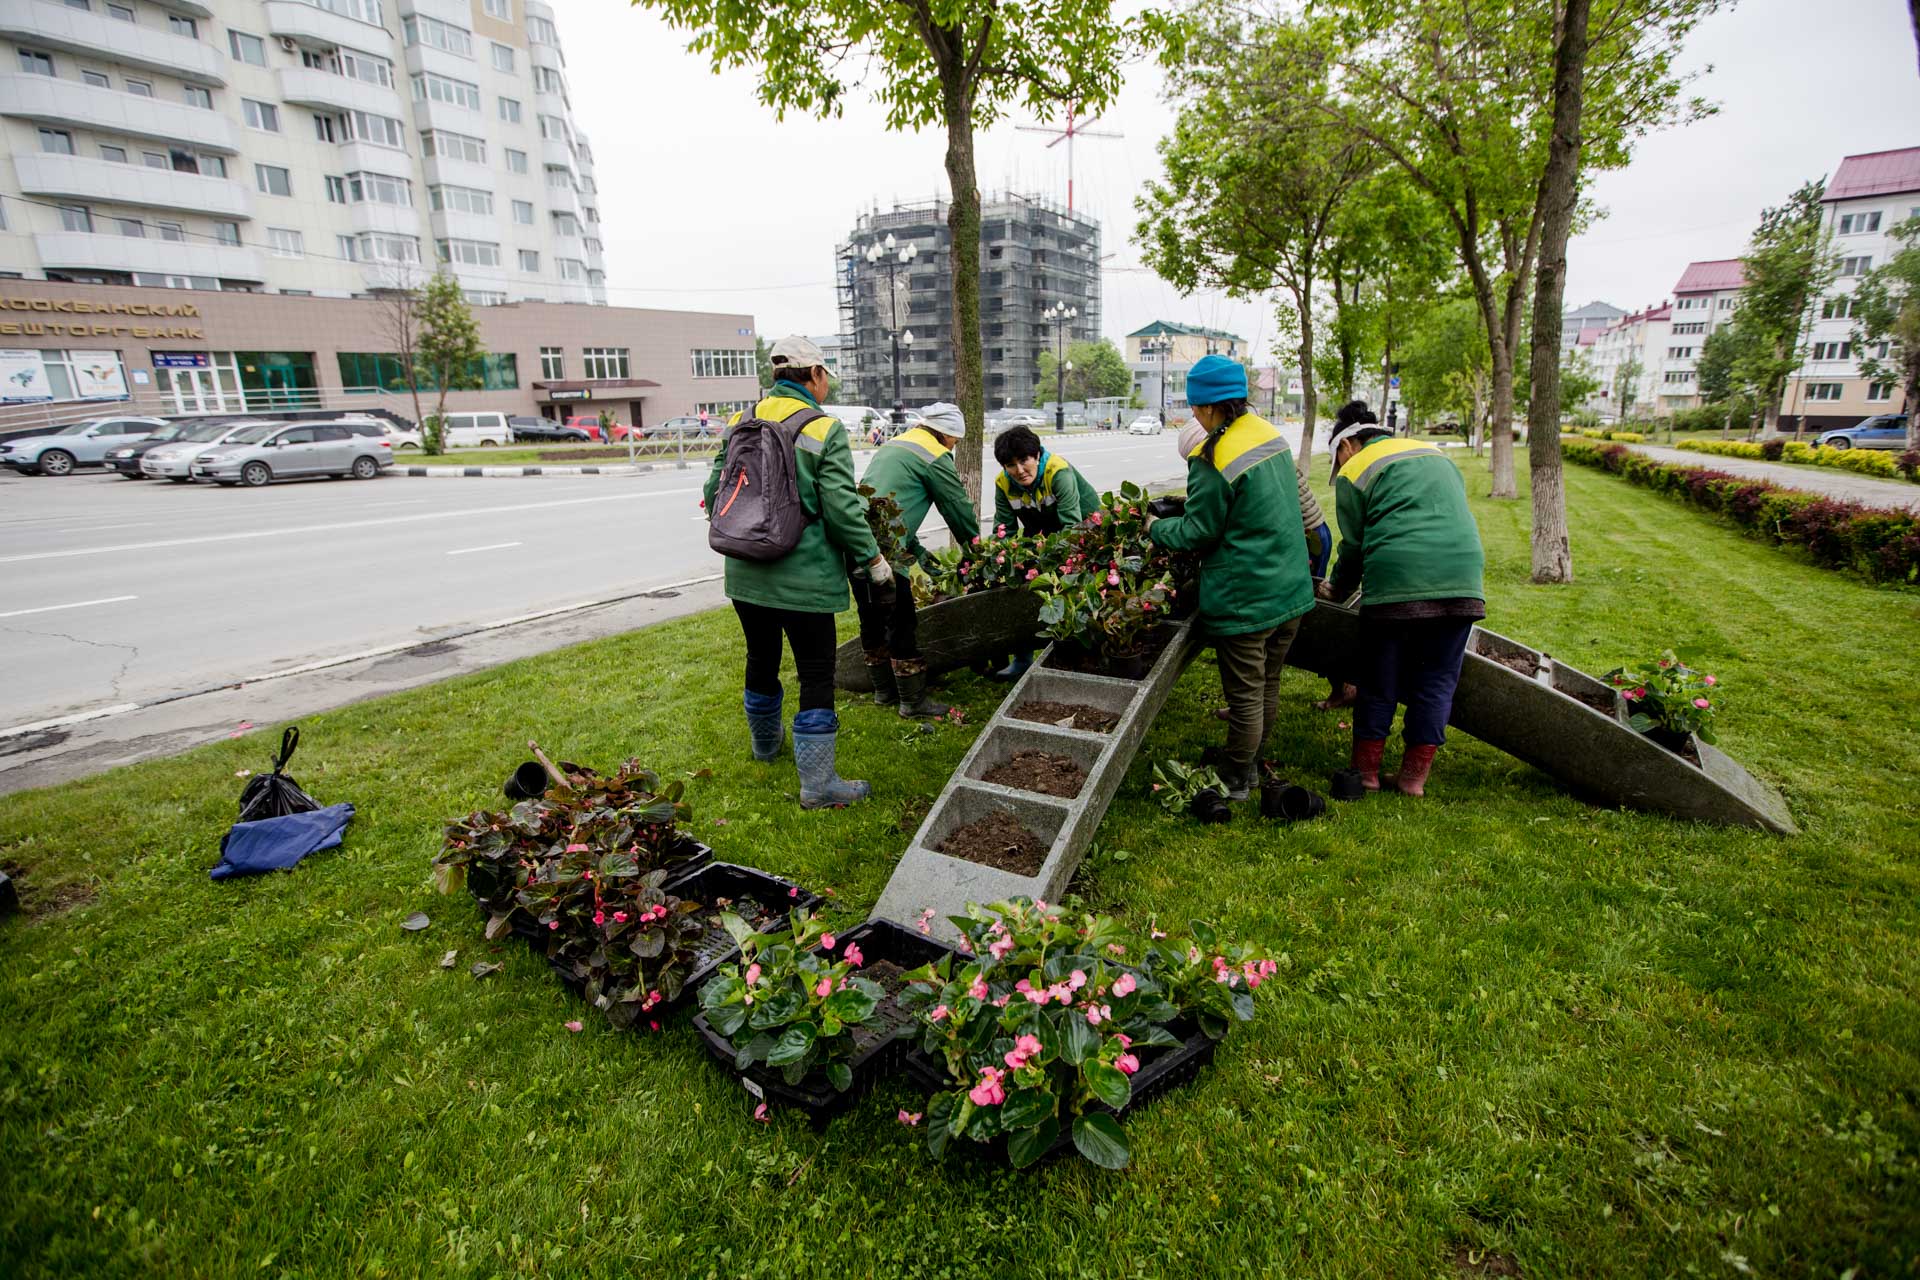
881,585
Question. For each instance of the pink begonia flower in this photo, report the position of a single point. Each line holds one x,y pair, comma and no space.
1127,1063
909,1117
826,940
825,988
1034,997
760,1113
1039,905
1126,1041
1116,949
1097,519
1000,559
1711,682
1193,954
1637,694
1001,948
1076,980
1032,574
553,924
1001,1002
574,1025
999,531
794,892
1268,968
619,917
1024,1048
1093,1016
939,1014
1124,985
1158,934
652,1025
979,988
1113,579
964,947
576,848
599,917
852,955
753,973
1701,703
988,1092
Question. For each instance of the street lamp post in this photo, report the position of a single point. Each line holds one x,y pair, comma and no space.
895,256
1061,315
1162,347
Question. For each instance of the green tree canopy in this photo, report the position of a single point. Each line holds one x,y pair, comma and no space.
1887,304
1099,372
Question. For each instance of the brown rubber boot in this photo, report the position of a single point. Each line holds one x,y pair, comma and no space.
1415,765
880,668
1345,696
1366,760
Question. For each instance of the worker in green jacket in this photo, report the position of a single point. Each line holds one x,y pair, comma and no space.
798,594
916,468
1036,492
1242,516
1408,541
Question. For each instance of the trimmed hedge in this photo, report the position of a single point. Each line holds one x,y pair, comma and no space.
1613,433
1867,462
1881,542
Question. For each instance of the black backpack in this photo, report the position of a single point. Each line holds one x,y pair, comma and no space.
756,511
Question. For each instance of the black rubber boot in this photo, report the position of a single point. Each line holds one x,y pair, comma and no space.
911,677
880,668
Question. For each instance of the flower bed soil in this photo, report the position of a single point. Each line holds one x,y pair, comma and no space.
1520,662
997,840
1040,771
762,900
1084,718
1601,702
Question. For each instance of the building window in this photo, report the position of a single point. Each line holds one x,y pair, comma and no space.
510,110
603,363
246,48
365,372
97,79
33,62
502,57
285,243
171,231
364,187
120,11
182,26
1856,266
260,115
417,28
725,362
571,268
227,233
131,228
1824,390
351,64
273,180
74,217
1676,377
541,31
453,146
529,260
460,200
552,128
1879,391
323,129
56,142
559,177
565,224
1855,223
140,88
723,409
1679,353
195,96
336,189
553,364
485,297
382,131
1837,308
372,246
468,253
1696,326
1832,350
546,80
523,212
116,154
501,9
516,161
459,93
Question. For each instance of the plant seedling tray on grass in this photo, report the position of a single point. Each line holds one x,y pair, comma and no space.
705,885
1161,1070
877,1052
525,927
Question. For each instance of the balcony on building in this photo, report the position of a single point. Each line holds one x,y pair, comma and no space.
452,224
547,55
86,251
309,87
70,102
390,219
324,27
95,35
116,182
456,173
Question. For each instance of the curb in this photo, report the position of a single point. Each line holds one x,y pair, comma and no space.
619,469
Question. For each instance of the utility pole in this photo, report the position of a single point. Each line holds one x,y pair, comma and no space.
1073,130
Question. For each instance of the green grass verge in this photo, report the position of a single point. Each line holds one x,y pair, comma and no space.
1514,1031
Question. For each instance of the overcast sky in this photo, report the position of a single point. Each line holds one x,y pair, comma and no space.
690,222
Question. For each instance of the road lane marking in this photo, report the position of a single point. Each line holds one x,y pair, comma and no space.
77,604
102,528
462,514
497,546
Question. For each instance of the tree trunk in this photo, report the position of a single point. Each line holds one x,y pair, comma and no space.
1309,395
1500,421
963,224
1559,188
1913,360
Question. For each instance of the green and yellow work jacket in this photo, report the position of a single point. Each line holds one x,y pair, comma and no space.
1059,498
1406,532
811,578
1243,518
919,472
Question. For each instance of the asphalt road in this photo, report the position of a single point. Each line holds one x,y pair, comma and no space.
114,593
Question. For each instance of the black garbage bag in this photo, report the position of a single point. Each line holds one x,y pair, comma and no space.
275,795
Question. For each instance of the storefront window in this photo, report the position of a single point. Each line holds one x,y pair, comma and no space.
365,372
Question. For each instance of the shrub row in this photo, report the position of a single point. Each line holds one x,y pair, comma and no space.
1613,433
1868,462
1881,542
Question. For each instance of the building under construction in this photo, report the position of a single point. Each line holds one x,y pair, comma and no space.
1034,254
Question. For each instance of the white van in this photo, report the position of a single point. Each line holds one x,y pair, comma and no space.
858,419
470,430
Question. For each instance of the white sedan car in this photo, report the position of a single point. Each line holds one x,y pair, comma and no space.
1145,425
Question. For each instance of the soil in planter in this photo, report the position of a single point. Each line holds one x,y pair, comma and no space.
1085,718
997,840
887,1017
1601,702
1040,771
1526,666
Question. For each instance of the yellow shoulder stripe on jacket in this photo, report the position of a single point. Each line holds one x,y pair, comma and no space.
925,441
1250,440
1383,451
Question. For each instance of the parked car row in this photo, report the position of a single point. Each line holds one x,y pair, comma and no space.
225,451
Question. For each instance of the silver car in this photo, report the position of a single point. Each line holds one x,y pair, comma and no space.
175,461
79,444
298,450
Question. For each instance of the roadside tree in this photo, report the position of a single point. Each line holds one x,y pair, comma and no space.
1888,306
1788,265
1098,372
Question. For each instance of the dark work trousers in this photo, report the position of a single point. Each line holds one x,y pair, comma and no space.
812,638
1250,667
893,627
1413,661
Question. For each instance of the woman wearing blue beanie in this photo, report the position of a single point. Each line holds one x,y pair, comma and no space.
1243,519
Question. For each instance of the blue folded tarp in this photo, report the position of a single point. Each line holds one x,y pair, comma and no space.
277,844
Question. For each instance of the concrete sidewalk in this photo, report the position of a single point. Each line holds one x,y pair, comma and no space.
1826,480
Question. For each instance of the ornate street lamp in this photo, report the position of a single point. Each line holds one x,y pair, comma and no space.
1061,315
895,256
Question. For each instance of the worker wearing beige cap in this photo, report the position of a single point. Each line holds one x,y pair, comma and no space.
916,469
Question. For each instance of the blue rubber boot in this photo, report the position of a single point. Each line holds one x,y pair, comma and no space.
821,786
1016,668
763,722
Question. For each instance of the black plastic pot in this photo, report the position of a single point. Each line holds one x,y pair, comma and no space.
1171,505
1286,802
529,782
1671,739
716,880
9,895
490,885
1210,806
1347,785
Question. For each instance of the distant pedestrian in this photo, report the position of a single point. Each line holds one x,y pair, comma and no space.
703,422
1036,493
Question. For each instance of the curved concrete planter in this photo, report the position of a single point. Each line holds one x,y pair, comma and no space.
955,633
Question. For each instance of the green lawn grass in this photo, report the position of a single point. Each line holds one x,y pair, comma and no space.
1515,1034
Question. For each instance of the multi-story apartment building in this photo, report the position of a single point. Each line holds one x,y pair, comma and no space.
330,148
1869,195
1595,315
1036,257
1639,338
1160,355
1703,300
